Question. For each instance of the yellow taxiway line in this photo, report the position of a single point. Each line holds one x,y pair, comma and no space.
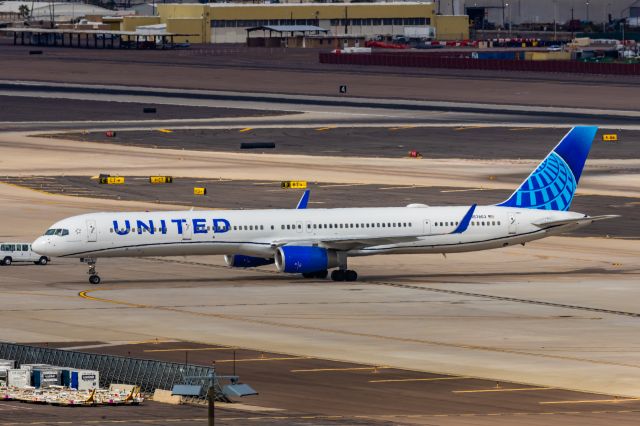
319,370
188,349
592,401
246,129
284,358
501,390
425,379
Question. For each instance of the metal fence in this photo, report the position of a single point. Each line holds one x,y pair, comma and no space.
148,374
438,61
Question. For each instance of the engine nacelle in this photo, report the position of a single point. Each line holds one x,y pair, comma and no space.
304,259
241,261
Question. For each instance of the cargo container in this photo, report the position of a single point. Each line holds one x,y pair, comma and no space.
5,365
18,378
46,377
81,379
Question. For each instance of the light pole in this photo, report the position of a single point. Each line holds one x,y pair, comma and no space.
509,16
555,20
587,6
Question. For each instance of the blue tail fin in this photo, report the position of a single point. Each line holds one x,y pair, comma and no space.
553,183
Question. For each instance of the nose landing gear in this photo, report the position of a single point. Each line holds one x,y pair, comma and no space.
94,278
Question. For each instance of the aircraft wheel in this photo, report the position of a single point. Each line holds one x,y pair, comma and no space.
94,279
338,275
351,275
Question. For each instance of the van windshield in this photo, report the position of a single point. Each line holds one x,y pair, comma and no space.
59,232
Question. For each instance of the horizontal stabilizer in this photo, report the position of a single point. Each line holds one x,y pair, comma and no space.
578,221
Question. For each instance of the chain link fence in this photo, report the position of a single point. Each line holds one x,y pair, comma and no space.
148,374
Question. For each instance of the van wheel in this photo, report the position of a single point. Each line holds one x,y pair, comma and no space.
7,261
43,261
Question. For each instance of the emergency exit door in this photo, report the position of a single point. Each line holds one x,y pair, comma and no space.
427,227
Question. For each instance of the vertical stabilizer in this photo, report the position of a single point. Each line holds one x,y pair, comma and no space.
553,183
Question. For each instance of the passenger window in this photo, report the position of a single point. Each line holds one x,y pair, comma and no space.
272,227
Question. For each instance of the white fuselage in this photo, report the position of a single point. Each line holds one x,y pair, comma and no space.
257,232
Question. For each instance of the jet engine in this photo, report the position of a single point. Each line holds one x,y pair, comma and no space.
241,261
304,260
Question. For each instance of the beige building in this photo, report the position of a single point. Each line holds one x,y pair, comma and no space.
227,22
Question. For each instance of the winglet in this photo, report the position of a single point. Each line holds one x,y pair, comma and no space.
304,200
466,220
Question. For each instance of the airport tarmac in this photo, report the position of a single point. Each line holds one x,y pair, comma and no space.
347,393
467,142
299,71
25,109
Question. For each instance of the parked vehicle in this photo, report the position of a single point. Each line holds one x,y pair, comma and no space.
20,252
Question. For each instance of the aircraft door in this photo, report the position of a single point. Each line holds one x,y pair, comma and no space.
427,227
92,231
513,223
187,231
299,227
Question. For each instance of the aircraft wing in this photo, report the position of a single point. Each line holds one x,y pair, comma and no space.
578,221
346,242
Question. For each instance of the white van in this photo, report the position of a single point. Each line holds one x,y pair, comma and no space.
20,252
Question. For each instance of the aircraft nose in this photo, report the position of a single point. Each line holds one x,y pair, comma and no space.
41,246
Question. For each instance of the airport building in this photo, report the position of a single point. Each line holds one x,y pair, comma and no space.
503,12
228,22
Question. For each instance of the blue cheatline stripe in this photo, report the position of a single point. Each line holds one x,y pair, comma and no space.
464,223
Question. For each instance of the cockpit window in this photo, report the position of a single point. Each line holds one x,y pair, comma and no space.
58,232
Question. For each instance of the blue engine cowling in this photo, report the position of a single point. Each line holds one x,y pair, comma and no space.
302,259
241,261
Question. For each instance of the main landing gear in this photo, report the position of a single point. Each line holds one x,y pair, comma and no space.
94,278
342,273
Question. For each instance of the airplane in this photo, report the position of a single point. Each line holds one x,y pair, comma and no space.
313,241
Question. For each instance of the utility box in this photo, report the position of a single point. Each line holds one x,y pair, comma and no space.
5,365
46,378
18,378
81,379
